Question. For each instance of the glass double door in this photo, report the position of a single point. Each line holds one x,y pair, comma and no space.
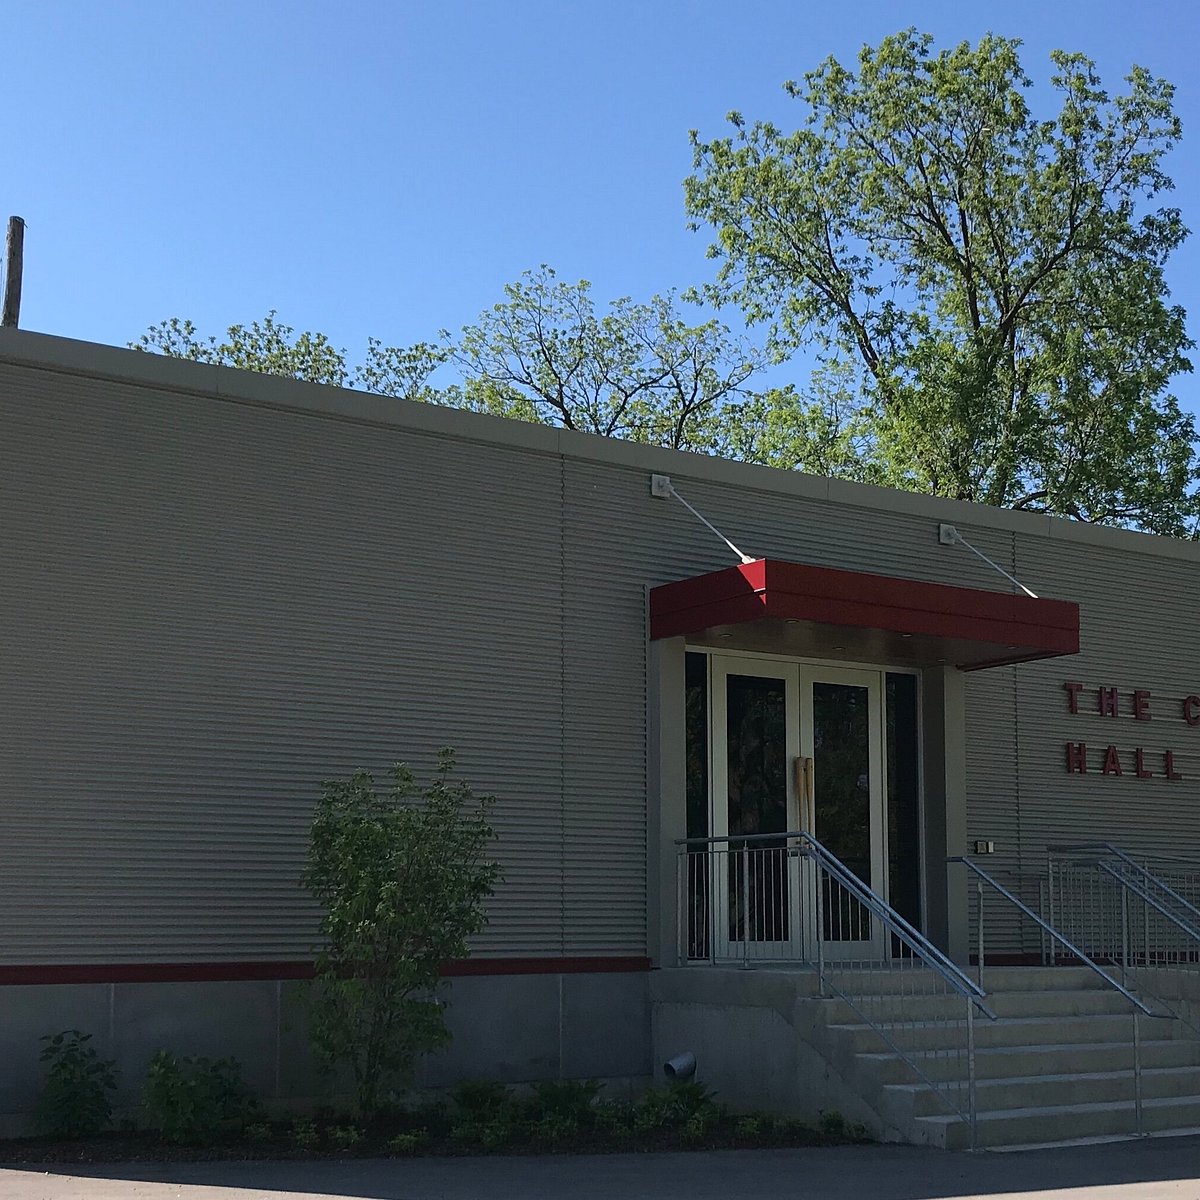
796,748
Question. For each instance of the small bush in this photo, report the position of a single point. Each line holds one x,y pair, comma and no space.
749,1126
191,1100
566,1098
409,1143
557,1127
671,1107
258,1132
75,1101
305,1134
480,1097
833,1126
345,1137
613,1117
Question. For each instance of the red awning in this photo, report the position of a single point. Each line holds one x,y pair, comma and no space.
791,608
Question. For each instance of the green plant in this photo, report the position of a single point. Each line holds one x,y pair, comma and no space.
750,1126
833,1126
402,879
672,1106
75,1101
571,1098
480,1097
613,1117
189,1100
258,1132
409,1143
497,1133
305,1134
556,1126
345,1137
699,1123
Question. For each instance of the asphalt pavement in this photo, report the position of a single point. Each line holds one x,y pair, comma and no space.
1131,1170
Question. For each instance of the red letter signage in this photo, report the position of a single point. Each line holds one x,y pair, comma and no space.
1076,758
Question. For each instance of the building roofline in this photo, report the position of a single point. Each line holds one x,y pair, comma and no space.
73,357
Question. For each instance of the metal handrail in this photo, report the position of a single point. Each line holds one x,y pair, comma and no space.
949,976
1000,889
921,946
1145,895
1129,861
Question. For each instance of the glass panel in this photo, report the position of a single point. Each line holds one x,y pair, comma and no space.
696,720
756,732
903,798
842,798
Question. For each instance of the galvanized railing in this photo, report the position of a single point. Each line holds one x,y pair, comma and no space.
773,899
1126,911
1063,950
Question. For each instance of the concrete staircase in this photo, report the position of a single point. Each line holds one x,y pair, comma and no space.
1056,1066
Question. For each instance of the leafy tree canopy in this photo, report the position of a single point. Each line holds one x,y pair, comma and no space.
984,288
544,354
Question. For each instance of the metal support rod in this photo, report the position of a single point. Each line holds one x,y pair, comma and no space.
681,907
979,892
1050,908
745,908
820,935
1137,1070
971,1109
1124,936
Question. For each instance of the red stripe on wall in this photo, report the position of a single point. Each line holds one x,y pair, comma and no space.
227,972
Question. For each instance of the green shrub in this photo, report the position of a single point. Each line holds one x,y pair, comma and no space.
192,1100
75,1100
409,1143
571,1098
403,879
557,1126
258,1132
345,1137
613,1117
672,1106
833,1126
750,1126
305,1134
481,1097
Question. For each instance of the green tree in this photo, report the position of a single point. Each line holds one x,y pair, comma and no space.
267,346
402,879
273,348
638,371
990,281
545,354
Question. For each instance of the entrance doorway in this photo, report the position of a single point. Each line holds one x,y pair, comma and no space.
824,749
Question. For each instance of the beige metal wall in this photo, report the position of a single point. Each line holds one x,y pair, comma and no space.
218,589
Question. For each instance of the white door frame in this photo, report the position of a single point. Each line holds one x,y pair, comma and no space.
872,681
801,776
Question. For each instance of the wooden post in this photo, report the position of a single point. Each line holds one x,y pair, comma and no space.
13,257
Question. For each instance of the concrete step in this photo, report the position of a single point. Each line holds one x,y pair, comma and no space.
1029,1091
1014,1031
1016,1062
915,980
1055,1002
1067,1121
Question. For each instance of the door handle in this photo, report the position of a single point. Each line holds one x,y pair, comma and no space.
803,768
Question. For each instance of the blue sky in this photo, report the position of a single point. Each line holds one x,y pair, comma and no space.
384,168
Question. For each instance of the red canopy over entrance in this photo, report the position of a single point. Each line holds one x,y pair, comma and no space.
791,608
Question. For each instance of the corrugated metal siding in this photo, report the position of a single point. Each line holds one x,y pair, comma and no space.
210,608
1138,630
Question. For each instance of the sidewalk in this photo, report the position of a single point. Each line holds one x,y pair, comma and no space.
1163,1167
